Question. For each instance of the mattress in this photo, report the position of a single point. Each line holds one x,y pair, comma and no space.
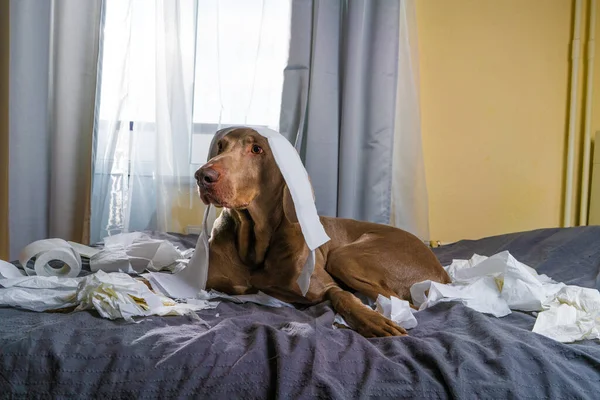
254,352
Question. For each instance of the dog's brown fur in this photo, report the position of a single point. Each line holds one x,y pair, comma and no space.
257,243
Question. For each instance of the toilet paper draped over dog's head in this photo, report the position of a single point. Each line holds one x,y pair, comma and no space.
296,179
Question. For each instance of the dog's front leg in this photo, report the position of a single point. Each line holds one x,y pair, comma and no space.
361,318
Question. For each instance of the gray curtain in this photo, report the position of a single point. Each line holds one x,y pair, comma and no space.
339,102
53,64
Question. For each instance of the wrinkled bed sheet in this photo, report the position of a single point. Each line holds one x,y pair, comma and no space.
249,351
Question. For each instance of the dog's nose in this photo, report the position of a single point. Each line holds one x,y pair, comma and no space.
206,176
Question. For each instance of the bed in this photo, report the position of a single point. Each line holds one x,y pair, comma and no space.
255,352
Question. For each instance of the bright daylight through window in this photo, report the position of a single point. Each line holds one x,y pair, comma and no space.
172,73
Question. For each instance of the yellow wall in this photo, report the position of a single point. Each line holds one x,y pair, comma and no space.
494,104
187,210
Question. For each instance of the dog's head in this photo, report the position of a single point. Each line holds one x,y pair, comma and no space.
240,168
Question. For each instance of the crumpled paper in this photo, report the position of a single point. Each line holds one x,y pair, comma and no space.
572,314
481,295
8,270
39,293
498,284
493,285
118,295
114,295
137,252
394,309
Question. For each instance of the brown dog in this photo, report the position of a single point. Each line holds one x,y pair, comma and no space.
257,243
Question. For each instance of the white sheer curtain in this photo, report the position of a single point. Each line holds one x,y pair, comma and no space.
172,73
175,71
410,207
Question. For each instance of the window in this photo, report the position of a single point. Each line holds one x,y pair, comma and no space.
237,49
201,65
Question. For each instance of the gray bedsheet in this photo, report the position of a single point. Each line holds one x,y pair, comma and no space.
249,352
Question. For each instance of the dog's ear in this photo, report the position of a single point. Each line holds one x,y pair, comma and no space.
288,203
288,206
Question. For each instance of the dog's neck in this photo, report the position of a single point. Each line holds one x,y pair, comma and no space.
256,225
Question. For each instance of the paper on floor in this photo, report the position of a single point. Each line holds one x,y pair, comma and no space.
498,284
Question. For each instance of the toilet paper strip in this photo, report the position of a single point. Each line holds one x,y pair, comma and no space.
296,178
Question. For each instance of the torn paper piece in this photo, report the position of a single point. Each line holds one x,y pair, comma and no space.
153,255
481,295
500,283
258,298
194,276
493,285
83,250
172,285
567,324
41,282
37,300
111,260
459,265
396,310
572,314
584,299
39,293
522,287
205,304
137,252
339,320
8,270
124,240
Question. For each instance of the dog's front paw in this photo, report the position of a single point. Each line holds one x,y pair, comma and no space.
371,324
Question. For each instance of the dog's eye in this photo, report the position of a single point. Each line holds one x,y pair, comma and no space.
219,147
256,149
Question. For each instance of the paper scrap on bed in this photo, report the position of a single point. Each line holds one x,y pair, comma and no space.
114,295
498,284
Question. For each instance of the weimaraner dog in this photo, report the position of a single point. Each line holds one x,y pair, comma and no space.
257,243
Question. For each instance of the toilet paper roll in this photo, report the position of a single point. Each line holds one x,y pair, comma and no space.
47,250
